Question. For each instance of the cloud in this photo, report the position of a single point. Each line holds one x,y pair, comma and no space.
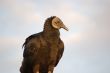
10,54
23,11
17,17
9,46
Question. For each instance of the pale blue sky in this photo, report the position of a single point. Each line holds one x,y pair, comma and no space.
87,43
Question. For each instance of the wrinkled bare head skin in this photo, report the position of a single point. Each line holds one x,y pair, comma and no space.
57,23
43,50
54,22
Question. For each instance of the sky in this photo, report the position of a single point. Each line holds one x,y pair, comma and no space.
87,43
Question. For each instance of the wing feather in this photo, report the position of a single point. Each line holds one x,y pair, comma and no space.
60,51
31,45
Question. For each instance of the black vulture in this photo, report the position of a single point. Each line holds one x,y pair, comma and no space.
43,51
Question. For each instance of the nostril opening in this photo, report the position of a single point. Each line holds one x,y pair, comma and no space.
55,22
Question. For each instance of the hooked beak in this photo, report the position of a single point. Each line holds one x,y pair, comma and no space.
64,27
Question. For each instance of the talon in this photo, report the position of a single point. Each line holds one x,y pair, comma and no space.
49,71
37,72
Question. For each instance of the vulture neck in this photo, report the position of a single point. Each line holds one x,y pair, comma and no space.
50,33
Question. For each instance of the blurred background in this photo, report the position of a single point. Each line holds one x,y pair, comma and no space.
87,43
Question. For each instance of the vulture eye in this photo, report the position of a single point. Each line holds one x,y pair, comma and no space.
58,22
55,22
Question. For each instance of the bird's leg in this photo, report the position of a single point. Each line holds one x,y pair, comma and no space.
36,68
50,69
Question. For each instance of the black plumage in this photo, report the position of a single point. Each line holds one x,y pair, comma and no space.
42,51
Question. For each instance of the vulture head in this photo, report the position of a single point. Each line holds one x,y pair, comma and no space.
54,22
57,23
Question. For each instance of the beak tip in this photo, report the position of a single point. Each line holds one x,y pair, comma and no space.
66,29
